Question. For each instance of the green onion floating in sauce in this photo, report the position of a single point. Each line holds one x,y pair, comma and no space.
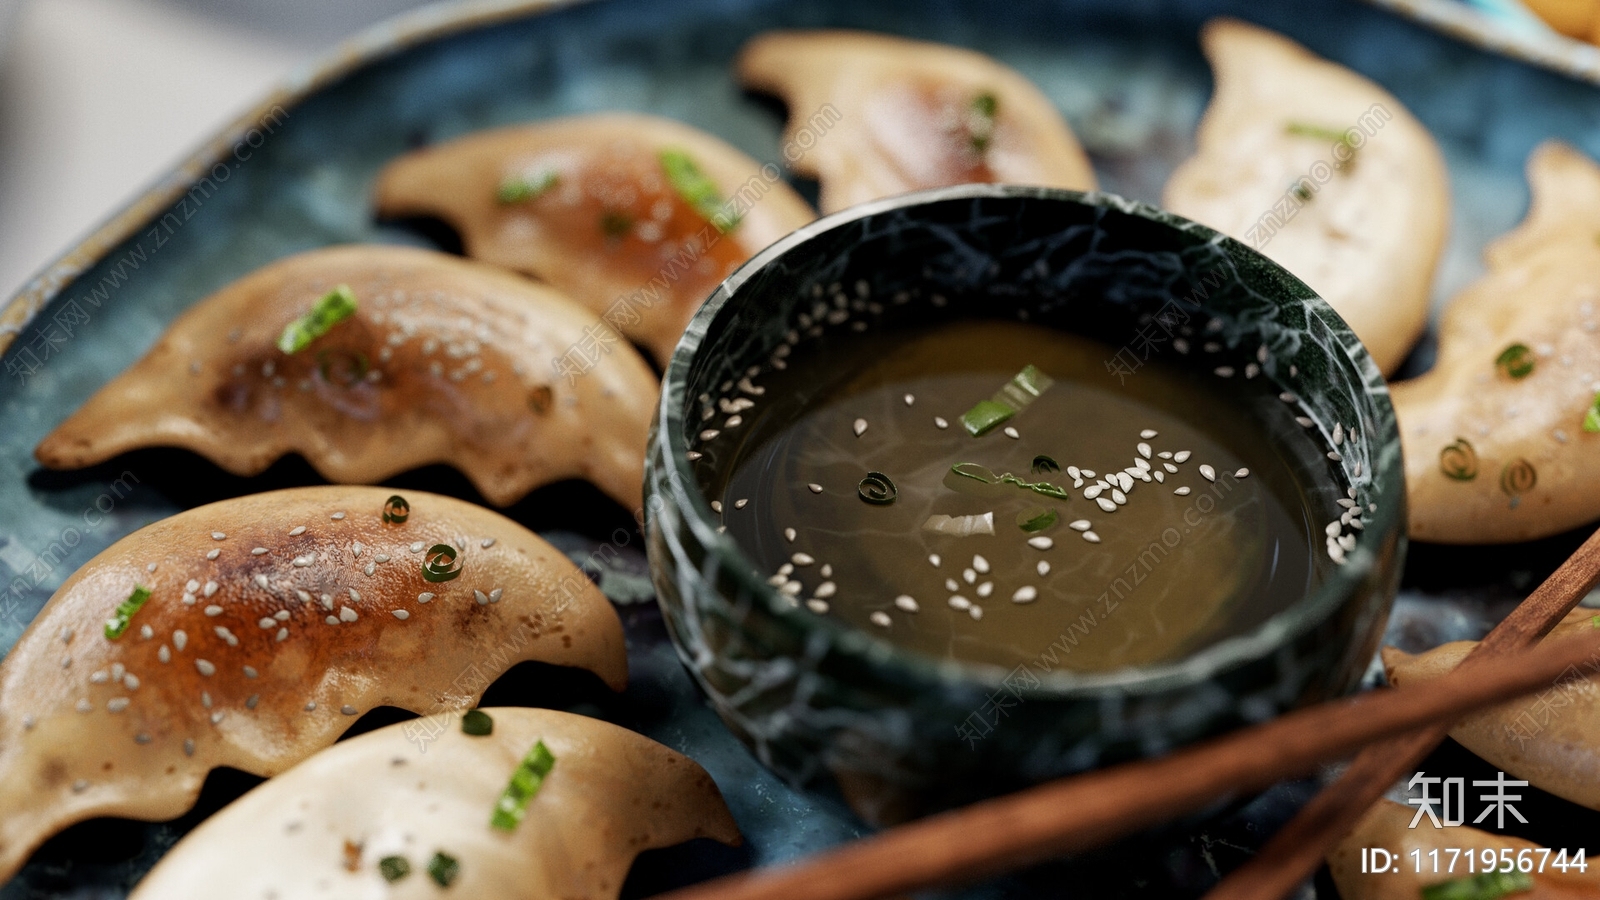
518,188
1484,886
118,624
394,868
615,224
477,723
1515,361
443,868
980,126
334,307
697,190
1013,397
1037,518
877,489
986,475
442,563
1591,417
512,806
1044,465
1458,460
396,510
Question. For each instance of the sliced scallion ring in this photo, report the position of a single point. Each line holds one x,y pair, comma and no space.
441,563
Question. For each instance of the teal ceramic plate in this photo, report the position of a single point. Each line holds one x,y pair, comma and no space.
295,174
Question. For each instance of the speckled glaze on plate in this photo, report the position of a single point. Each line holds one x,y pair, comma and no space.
1129,78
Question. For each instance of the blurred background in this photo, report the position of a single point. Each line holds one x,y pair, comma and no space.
100,97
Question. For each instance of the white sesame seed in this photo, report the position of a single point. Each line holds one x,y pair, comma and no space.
789,534
1334,455
1079,525
348,710
1181,491
939,422
952,585
786,570
481,597
304,597
1224,371
741,503
733,422
179,639
297,531
1160,476
213,554
981,564
1041,542
311,707
250,672
1092,491
1346,503
259,551
910,399
84,706
346,614
99,677
496,594
211,588
164,654
150,568
1144,449
1043,568
1182,456
337,516
716,506
1208,473
218,536
1347,541
213,610
424,597
859,427
1148,433
1118,497
486,543
709,434
401,614
1332,530
205,667
790,588
1338,433
331,620
356,549
283,634
1087,473
815,488
1011,433
802,559
985,589
1242,473
146,632
826,589
976,612
905,601
371,568
266,622
959,602
1106,504
880,619
302,562
817,606
969,576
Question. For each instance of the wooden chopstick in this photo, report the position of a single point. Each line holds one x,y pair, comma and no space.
1297,850
1075,814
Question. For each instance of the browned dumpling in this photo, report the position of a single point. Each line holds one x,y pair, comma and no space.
1551,739
637,217
440,360
1326,173
252,632
1387,826
372,816
1500,435
872,116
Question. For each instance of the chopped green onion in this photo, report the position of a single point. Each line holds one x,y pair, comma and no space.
118,624
1518,477
334,307
525,782
477,723
443,868
1458,460
441,563
1044,465
396,510
877,489
394,868
982,473
1591,418
980,128
518,188
615,224
1595,621
984,416
1302,191
697,190
1484,886
1515,361
1036,518
1013,397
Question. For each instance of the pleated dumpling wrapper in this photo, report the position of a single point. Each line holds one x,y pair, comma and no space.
373,817
1387,826
372,360
872,115
1500,435
252,632
1550,739
1326,173
637,217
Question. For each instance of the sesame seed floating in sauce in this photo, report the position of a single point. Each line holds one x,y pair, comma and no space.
789,534
1041,542
940,423
1043,568
1181,492
906,602
1182,456
1242,473
880,619
1091,537
910,399
859,427
959,602
815,488
1207,472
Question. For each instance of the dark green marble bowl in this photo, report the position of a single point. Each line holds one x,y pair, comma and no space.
898,734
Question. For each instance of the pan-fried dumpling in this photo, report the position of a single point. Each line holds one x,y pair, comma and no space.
1326,173
252,632
373,360
374,817
872,115
637,217
1499,435
1550,739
